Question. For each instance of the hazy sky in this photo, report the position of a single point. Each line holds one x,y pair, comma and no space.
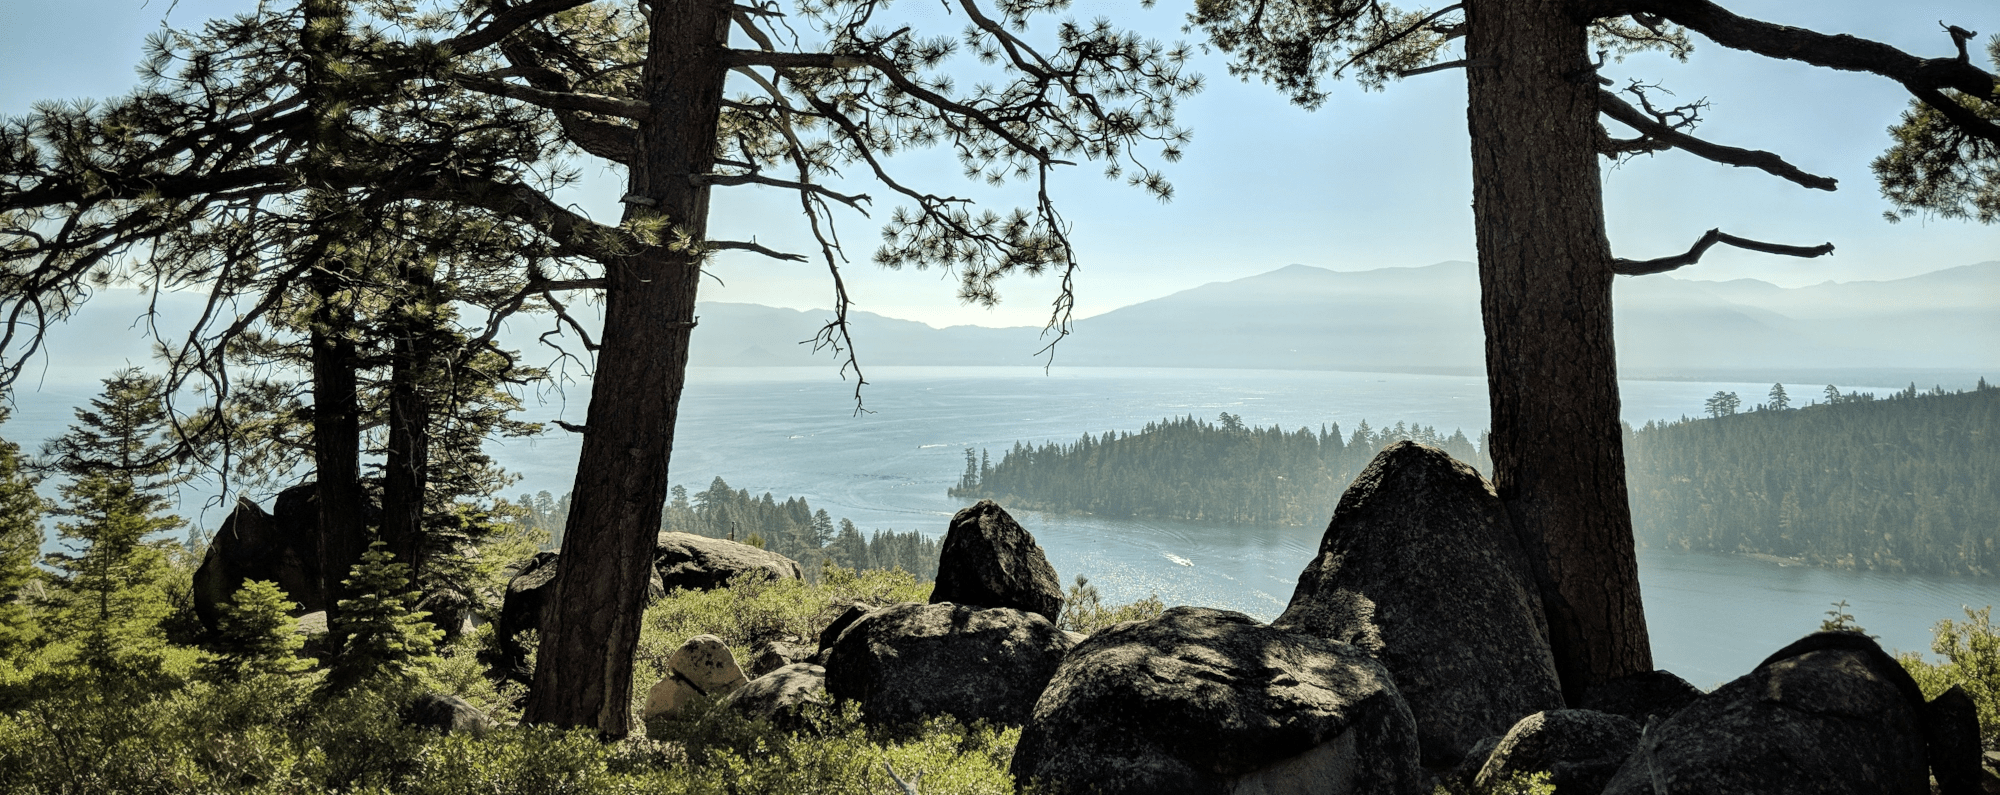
1371,180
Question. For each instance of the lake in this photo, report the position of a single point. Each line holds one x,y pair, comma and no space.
794,432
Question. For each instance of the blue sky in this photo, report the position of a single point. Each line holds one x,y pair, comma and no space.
1371,180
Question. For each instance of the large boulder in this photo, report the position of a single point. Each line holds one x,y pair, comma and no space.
700,563
1206,702
256,545
1579,748
840,623
449,714
778,695
1421,568
528,603
521,609
776,654
1951,737
1829,715
989,560
702,668
909,661
1642,697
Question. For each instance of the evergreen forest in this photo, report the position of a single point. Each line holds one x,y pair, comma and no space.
1906,483
1191,469
791,528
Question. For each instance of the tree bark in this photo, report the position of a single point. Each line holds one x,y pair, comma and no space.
336,391
583,675
1545,280
343,531
406,463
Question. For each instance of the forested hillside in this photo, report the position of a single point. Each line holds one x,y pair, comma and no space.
1910,482
790,528
1185,468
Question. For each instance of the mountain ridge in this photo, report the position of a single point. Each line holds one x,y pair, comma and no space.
1426,319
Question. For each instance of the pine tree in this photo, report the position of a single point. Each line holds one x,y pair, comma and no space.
110,591
20,542
1722,404
256,636
386,635
1779,400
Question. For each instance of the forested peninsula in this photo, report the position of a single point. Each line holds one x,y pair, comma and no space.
1192,469
1906,483
789,527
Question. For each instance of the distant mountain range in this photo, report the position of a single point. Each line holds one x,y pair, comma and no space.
1427,320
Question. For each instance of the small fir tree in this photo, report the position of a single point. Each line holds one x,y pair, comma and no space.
256,636
20,542
386,635
110,592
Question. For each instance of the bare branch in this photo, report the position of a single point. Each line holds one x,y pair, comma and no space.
799,60
1959,36
1626,267
854,201
752,247
1658,130
556,100
1462,63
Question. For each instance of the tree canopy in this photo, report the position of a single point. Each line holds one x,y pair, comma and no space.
263,152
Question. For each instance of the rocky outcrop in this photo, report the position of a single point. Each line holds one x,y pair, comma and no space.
777,654
1579,748
1646,697
1951,740
699,563
521,608
989,560
840,623
702,668
1421,568
1829,715
908,661
449,714
1205,702
256,545
777,696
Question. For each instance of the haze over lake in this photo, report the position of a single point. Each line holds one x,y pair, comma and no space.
793,430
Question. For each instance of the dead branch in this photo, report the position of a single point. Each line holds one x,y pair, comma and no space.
1626,267
1656,128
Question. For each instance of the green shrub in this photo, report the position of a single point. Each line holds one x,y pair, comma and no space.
1084,609
1517,783
1971,652
752,611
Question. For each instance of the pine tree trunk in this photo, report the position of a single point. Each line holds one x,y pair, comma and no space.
583,675
1545,281
343,529
336,392
406,464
